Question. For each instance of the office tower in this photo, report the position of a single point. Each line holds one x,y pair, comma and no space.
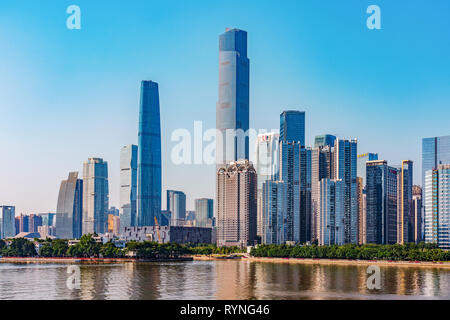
128,185
435,151
232,109
95,196
381,203
113,224
361,210
345,164
165,218
417,213
266,166
331,212
149,156
24,223
35,221
236,204
361,165
322,167
437,209
7,223
204,212
16,224
176,204
292,126
274,208
69,209
49,219
405,217
324,140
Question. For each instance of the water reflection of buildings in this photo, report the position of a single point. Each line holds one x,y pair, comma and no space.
235,280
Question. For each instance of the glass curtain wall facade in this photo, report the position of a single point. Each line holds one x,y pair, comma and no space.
176,204
274,195
331,214
7,222
149,156
128,186
292,126
69,209
204,212
232,109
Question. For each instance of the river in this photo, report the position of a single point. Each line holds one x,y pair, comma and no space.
228,279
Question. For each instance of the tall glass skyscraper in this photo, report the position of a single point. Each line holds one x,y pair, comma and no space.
435,151
176,204
405,213
149,156
128,185
69,210
232,109
292,126
7,222
204,212
381,203
324,140
362,159
345,155
331,213
95,196
274,209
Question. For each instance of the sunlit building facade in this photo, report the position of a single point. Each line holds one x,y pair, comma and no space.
128,185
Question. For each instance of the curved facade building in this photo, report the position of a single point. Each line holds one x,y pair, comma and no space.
69,208
149,156
232,109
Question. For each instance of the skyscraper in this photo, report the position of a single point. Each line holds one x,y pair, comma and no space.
381,203
437,209
417,213
149,156
128,185
7,222
35,222
232,109
361,210
331,212
266,166
69,209
345,164
204,212
292,126
322,167
362,159
324,140
176,204
95,196
236,204
435,151
405,218
274,208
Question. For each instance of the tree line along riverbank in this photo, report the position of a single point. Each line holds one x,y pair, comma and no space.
395,252
88,247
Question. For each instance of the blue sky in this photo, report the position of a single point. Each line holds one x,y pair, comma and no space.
66,95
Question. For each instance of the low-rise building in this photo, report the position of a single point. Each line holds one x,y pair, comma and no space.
167,234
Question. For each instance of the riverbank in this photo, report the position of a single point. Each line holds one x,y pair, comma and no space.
340,262
86,260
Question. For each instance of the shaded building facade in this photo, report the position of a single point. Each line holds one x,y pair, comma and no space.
69,209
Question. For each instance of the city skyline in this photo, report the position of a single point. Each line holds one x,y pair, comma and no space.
29,197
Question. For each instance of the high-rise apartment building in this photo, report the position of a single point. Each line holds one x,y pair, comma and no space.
274,208
204,212
361,210
7,222
345,164
69,209
381,203
437,208
324,140
266,165
24,223
331,212
35,222
149,156
128,185
95,196
176,204
232,109
361,165
417,213
322,167
236,204
405,214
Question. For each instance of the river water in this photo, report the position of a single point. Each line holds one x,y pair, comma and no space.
230,279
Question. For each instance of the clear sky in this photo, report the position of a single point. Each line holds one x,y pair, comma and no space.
66,95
